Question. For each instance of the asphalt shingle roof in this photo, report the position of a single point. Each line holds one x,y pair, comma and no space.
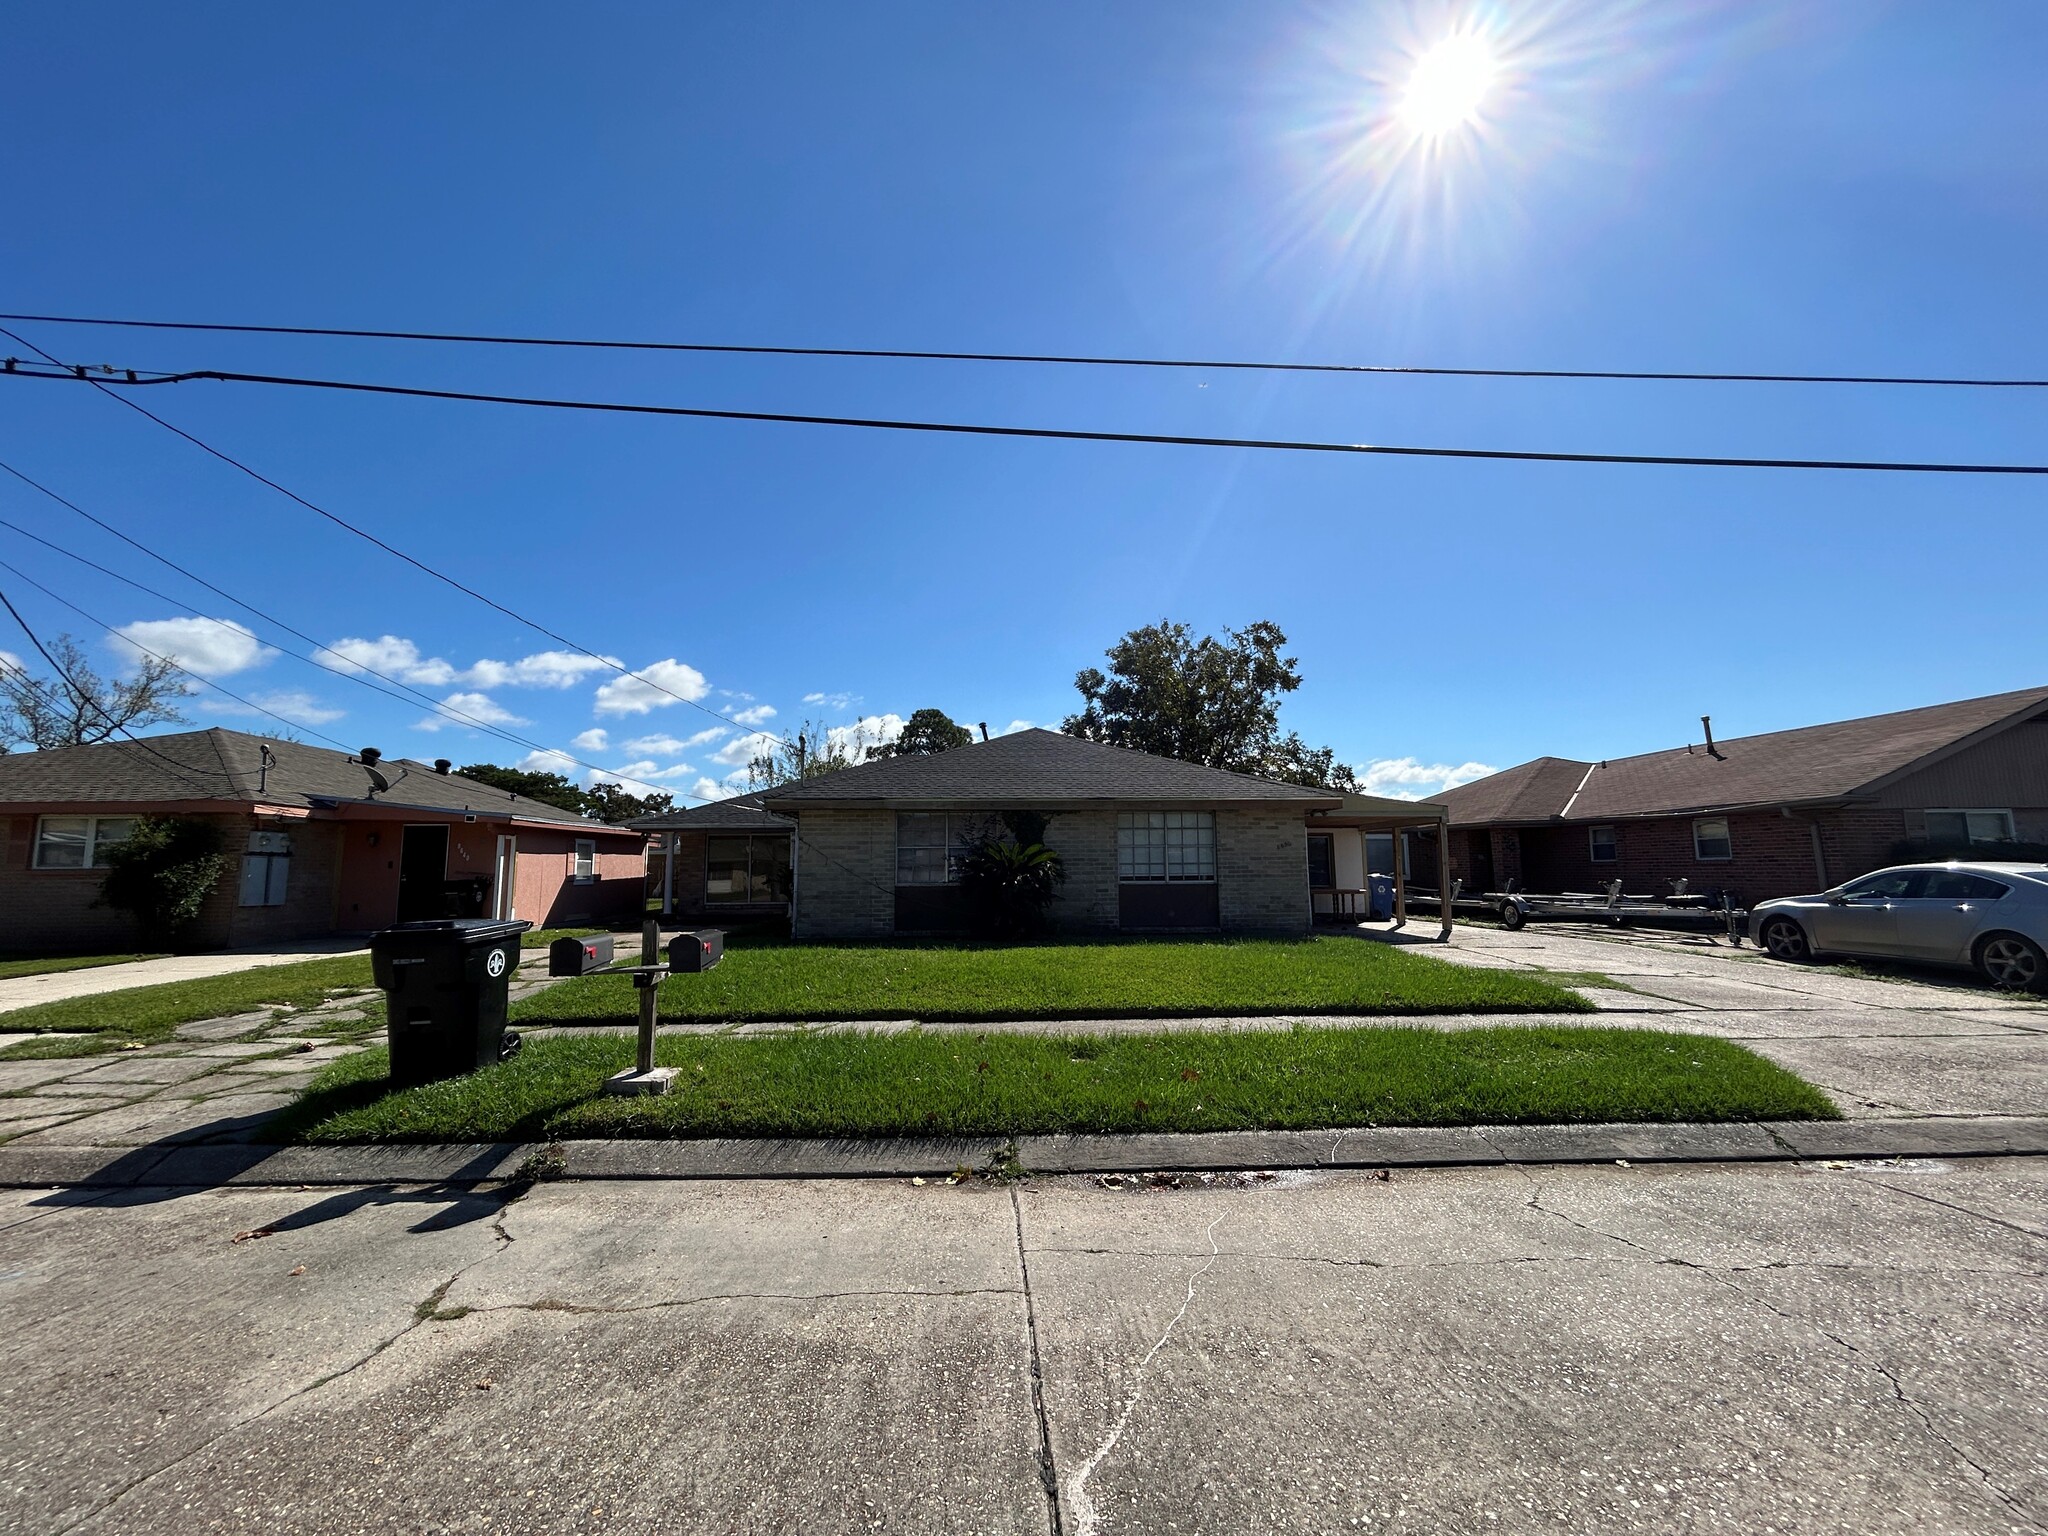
226,765
1037,767
1813,763
742,814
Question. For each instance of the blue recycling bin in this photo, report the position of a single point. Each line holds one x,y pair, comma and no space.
1379,897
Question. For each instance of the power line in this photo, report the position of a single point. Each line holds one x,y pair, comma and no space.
977,429
80,374
410,695
1076,360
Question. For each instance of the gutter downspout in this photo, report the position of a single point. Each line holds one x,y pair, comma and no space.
1820,857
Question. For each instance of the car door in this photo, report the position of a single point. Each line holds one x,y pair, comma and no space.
1861,918
1942,918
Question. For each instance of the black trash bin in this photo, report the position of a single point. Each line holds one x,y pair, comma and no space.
445,986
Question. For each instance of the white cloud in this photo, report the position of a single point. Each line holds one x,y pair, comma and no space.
671,746
759,714
592,740
833,700
393,656
1015,726
709,789
548,761
648,771
293,703
12,662
868,731
665,683
543,669
737,752
204,647
1406,778
468,709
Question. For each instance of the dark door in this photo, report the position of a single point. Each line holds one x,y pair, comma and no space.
422,874
1480,847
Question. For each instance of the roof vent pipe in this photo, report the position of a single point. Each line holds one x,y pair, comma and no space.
1707,725
369,756
442,765
984,729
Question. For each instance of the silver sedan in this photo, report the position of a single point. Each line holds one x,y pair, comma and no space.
1993,917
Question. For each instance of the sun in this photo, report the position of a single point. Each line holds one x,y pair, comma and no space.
1448,86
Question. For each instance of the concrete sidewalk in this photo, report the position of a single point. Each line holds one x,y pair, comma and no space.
55,986
1787,1347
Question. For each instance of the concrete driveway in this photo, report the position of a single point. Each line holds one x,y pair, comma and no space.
1918,1043
55,986
1732,1348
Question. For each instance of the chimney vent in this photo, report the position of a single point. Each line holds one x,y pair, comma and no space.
369,756
442,765
1707,725
984,729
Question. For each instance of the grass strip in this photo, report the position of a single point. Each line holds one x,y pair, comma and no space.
50,965
1139,979
859,1083
148,1014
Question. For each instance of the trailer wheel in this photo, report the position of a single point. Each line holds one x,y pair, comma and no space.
1513,917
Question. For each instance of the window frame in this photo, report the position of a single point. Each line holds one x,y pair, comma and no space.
1329,842
273,851
1727,837
753,840
1966,812
1613,855
958,831
1197,822
578,858
93,843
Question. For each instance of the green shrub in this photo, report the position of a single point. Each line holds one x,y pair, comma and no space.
162,874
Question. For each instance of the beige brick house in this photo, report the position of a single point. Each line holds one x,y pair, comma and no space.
1149,844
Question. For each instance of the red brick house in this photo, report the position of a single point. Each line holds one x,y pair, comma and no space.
1772,815
318,842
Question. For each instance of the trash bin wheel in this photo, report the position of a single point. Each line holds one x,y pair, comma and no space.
510,1046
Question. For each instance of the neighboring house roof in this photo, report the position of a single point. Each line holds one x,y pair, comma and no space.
743,813
1812,764
227,766
1036,767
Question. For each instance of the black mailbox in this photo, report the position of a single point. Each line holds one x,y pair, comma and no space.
579,957
697,951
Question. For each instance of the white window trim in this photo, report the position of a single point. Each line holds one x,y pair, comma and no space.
576,858
92,843
1966,812
1613,846
1713,858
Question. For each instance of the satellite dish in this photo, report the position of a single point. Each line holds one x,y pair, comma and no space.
377,780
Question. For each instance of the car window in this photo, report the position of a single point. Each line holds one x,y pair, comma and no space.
1954,885
1894,882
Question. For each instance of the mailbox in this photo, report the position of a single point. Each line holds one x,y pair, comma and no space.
579,957
697,951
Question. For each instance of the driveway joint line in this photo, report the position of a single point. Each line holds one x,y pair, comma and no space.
1048,1470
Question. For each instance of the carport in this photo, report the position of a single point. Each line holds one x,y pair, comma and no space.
1337,873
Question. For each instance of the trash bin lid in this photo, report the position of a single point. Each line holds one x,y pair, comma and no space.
467,930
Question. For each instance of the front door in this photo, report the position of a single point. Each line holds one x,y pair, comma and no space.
505,879
423,874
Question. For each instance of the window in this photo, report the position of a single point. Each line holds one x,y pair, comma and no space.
79,842
1887,885
1601,847
1322,861
930,845
266,869
1166,845
1954,885
1969,826
1710,839
740,867
583,866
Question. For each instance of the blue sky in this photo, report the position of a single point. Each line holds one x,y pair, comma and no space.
1842,187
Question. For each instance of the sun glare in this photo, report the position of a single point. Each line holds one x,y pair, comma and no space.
1448,86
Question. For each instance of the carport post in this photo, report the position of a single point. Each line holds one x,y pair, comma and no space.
1443,871
1400,878
668,878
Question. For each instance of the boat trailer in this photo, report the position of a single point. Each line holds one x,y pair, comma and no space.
1516,908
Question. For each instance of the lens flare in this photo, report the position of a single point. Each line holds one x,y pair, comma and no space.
1448,86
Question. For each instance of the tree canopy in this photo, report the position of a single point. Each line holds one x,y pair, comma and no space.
1208,700
925,732
606,802
79,707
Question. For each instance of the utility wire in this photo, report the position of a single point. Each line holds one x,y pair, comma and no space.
410,694
1284,445
1207,365
80,374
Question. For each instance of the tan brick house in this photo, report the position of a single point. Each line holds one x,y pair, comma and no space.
1149,844
318,842
1765,816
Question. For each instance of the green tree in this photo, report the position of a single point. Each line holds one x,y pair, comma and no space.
615,804
1209,701
78,707
162,873
925,732
815,749
547,788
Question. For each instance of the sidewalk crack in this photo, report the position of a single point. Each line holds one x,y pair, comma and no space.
1048,1472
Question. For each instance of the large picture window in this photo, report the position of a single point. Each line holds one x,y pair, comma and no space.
931,845
1165,845
79,842
739,867
1969,826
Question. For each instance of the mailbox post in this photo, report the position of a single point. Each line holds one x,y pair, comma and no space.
688,953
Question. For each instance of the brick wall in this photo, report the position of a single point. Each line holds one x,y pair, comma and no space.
1086,844
311,889
845,875
1262,871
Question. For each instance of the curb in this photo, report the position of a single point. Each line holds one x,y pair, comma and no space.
1218,1152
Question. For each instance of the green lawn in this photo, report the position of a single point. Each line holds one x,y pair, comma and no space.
541,938
47,965
147,1014
861,1083
1162,980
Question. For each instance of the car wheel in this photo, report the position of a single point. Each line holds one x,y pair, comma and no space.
2011,961
1785,940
